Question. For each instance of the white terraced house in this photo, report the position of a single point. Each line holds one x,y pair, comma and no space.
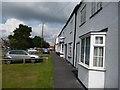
89,41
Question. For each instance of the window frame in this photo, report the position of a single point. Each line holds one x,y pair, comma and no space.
83,15
84,50
93,35
96,9
70,49
99,45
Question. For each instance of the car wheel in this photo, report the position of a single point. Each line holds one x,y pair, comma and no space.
8,62
32,61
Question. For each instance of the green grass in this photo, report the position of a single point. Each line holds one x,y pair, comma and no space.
38,75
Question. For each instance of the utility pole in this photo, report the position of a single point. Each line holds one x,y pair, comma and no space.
42,35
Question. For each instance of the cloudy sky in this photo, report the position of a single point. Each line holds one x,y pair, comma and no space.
33,13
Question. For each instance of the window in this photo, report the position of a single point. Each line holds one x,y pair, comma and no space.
85,50
83,15
21,52
82,49
98,57
70,50
12,52
99,5
18,52
95,6
98,40
98,51
93,50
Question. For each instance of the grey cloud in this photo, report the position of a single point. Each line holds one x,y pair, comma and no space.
55,12
2,31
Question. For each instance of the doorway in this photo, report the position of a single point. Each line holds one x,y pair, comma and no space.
66,51
77,54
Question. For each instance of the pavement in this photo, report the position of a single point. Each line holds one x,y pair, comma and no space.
64,74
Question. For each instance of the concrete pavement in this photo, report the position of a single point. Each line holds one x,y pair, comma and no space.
64,76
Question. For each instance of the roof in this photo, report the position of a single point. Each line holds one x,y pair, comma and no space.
74,12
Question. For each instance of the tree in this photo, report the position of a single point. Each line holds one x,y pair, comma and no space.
45,44
37,42
21,37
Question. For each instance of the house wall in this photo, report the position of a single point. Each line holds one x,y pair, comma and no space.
91,78
57,45
119,41
83,75
106,18
69,37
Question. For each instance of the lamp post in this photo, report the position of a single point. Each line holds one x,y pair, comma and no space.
42,35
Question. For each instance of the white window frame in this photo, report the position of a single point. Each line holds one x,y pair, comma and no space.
62,47
93,36
95,6
83,15
84,51
99,45
70,49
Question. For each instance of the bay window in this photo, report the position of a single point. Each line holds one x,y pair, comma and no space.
93,49
98,57
82,50
85,50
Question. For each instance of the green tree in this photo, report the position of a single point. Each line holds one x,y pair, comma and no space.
37,41
21,37
45,44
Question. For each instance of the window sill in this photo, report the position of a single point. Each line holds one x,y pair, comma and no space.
84,65
69,57
82,24
92,68
61,54
95,12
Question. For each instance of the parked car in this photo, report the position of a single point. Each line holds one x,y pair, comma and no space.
32,50
19,55
46,51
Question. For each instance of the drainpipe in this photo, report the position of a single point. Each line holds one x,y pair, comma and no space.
74,37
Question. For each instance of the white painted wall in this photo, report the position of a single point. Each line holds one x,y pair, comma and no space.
119,41
95,79
83,75
111,62
91,78
69,37
107,17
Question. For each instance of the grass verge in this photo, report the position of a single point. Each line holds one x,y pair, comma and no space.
38,75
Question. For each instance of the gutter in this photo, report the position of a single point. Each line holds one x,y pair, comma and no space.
74,37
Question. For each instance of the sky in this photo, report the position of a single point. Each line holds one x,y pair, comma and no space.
33,13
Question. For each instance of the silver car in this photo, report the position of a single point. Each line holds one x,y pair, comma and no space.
20,55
